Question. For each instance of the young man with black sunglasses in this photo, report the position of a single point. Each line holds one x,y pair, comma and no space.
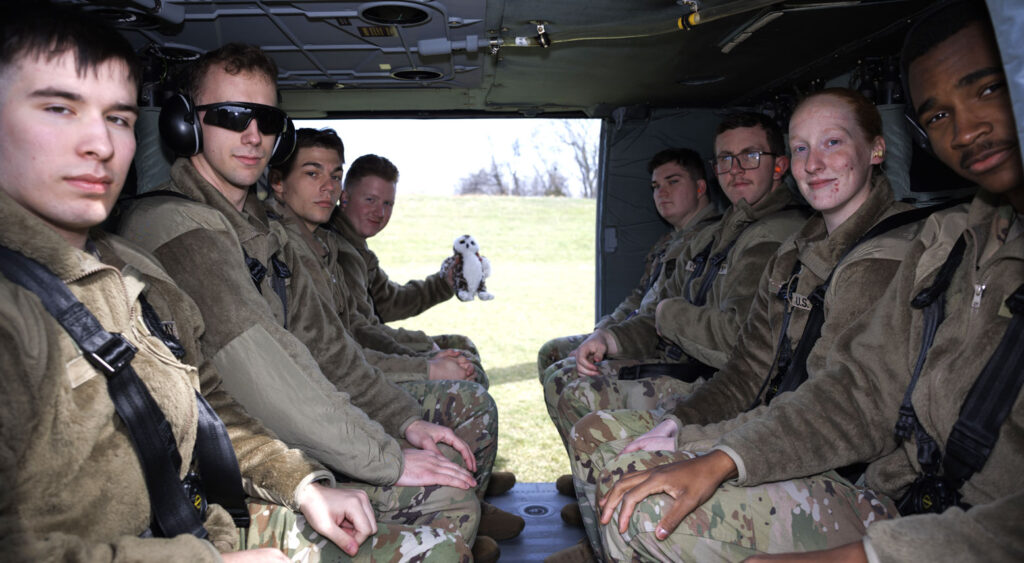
282,350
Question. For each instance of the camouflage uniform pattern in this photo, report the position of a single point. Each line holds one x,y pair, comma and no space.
593,443
470,412
568,396
817,512
276,526
559,375
591,394
556,349
456,342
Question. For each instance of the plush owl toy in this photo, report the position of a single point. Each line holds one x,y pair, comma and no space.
469,269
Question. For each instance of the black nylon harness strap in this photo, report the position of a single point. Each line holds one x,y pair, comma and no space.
794,373
713,266
213,452
111,354
699,262
989,401
986,407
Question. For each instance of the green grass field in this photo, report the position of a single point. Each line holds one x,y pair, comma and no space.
542,259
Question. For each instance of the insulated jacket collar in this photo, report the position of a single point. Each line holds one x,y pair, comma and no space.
986,217
340,222
700,220
741,214
29,235
251,222
819,251
293,224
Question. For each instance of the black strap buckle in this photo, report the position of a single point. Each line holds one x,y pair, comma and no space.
112,355
629,373
671,350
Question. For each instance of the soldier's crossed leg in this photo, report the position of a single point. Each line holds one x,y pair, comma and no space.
556,349
818,512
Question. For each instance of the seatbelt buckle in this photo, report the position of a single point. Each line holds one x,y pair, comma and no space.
629,373
113,354
671,351
196,493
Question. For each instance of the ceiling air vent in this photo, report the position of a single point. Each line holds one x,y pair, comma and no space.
420,74
394,13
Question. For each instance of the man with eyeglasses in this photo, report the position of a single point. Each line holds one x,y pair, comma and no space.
699,311
697,319
280,348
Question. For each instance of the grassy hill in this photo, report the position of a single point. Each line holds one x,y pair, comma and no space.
542,256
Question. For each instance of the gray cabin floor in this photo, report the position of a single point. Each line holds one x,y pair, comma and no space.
545,533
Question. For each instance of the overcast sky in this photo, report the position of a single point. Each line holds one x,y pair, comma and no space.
432,155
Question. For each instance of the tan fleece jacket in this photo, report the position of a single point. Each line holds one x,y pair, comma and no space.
395,367
346,264
659,265
708,333
847,412
389,300
275,373
73,487
721,404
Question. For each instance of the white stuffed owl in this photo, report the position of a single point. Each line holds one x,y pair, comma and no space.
469,269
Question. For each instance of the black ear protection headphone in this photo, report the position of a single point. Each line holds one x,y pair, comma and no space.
181,130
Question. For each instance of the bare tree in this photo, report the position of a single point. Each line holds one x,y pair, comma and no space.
478,182
584,151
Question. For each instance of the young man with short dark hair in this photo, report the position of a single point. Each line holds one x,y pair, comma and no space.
695,317
306,189
79,483
680,192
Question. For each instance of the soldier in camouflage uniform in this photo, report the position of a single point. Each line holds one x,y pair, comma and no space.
299,183
366,206
75,489
680,193
708,303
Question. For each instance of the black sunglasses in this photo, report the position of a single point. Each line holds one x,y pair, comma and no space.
236,116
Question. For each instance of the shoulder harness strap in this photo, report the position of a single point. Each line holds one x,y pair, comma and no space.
174,512
794,372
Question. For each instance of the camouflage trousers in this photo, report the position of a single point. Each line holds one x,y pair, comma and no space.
276,526
470,412
456,342
603,393
556,349
811,513
568,396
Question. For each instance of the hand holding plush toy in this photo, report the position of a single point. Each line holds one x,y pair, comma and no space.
468,270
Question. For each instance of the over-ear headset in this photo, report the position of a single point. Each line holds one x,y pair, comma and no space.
181,130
